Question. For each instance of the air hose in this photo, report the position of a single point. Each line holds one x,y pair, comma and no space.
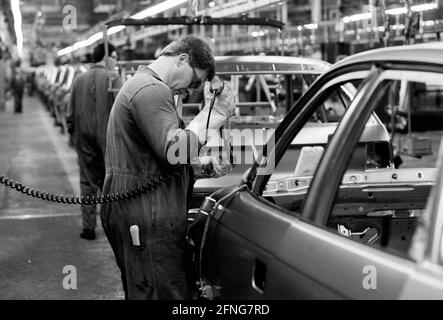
88,200
106,198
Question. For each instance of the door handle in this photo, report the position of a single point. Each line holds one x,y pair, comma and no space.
259,276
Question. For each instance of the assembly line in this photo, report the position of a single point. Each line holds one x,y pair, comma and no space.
222,150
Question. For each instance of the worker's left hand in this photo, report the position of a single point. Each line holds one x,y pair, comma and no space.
224,102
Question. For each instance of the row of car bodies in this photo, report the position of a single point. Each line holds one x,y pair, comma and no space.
54,85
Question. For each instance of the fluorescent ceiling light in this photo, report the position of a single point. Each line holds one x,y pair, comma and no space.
424,7
416,8
159,8
15,7
88,42
114,30
429,23
311,26
96,37
357,17
64,51
398,27
396,11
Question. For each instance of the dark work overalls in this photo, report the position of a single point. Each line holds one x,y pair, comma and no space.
142,119
87,118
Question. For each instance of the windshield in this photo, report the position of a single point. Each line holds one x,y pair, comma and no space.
260,98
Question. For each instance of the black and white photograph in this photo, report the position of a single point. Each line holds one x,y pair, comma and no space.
224,156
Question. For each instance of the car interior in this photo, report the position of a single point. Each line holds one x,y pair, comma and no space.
381,199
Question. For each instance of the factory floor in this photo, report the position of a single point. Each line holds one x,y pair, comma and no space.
41,253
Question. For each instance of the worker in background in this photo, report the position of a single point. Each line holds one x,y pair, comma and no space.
2,83
148,144
18,86
87,117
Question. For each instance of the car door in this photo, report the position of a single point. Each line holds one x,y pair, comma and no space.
256,249
426,281
356,269
240,254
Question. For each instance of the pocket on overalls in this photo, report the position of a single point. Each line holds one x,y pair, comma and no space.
140,267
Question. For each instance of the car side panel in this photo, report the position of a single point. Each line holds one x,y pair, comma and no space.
234,258
425,283
352,269
247,234
243,234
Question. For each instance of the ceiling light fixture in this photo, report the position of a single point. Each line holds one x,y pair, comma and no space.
15,8
310,26
159,8
151,11
416,8
357,17
394,11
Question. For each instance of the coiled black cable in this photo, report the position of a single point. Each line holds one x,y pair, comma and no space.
135,191
216,89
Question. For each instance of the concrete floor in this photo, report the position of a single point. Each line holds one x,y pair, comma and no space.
37,238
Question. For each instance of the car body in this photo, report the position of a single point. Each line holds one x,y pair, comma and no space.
336,232
62,95
46,77
54,84
262,113
253,111
51,93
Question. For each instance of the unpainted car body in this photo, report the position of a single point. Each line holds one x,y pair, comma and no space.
338,232
278,82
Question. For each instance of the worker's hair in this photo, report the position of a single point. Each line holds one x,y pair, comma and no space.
198,50
99,51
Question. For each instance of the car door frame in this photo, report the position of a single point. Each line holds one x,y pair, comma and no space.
321,196
246,196
215,272
317,209
344,139
426,281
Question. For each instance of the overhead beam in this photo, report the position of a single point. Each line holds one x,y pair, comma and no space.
200,20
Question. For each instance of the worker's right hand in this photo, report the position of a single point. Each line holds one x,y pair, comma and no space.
224,107
224,102
212,167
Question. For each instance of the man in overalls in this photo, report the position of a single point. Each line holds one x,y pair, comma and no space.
145,136
87,117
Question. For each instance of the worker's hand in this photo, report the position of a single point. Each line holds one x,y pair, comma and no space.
224,102
224,107
212,167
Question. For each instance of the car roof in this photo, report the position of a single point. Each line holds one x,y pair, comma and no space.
431,52
256,64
